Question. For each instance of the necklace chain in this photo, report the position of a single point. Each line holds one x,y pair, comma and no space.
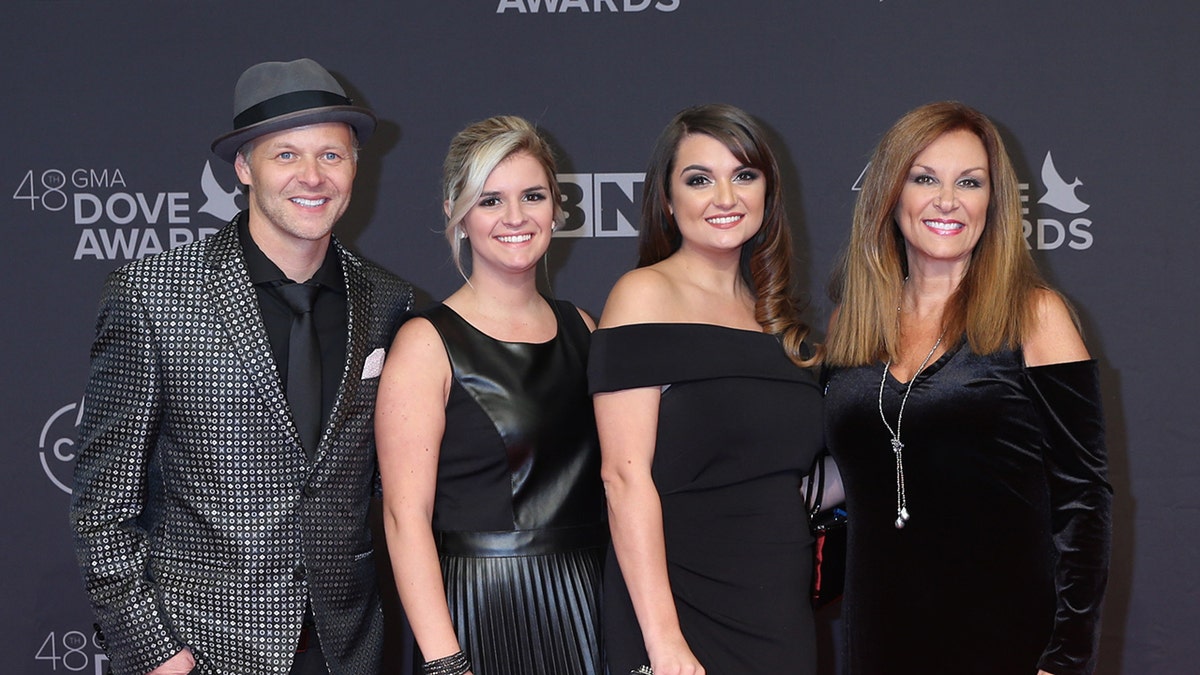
897,445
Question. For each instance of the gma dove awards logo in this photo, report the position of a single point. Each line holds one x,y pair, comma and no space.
120,223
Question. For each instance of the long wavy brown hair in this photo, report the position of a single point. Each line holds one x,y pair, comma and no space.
993,304
766,257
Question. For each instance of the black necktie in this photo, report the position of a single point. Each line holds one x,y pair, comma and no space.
304,365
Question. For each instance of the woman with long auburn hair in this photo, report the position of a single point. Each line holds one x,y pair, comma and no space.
964,412
708,414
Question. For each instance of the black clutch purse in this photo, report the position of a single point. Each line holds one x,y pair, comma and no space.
827,522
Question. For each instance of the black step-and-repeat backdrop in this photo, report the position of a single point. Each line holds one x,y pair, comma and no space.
109,108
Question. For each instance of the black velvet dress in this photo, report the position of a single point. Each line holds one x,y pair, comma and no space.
738,425
519,514
1002,567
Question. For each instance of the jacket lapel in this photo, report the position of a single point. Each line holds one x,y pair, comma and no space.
358,311
235,305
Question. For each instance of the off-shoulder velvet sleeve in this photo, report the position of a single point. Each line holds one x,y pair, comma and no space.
1068,398
655,354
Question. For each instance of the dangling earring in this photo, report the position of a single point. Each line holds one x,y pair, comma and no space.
462,231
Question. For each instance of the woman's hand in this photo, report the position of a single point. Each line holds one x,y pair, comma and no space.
674,658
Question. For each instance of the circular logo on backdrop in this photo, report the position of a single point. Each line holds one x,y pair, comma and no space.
56,444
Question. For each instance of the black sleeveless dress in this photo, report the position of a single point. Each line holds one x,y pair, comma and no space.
738,425
1002,567
519,514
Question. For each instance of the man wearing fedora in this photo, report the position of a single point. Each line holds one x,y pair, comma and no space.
227,457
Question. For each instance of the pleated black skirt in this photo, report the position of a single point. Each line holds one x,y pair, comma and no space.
533,613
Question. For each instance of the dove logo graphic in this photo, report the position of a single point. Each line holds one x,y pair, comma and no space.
1052,233
217,202
1059,193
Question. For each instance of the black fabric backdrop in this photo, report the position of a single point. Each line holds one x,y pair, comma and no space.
109,108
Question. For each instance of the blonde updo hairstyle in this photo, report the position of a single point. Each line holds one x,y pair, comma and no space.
474,153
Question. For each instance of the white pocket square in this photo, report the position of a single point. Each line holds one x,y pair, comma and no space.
373,366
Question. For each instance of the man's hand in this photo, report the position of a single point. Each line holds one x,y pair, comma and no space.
180,664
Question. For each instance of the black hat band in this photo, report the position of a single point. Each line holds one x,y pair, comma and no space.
284,104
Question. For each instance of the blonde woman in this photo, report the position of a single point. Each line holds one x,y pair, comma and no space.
494,511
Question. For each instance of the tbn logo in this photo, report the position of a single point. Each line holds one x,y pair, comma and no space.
601,204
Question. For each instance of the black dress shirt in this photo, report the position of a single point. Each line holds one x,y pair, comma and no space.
329,313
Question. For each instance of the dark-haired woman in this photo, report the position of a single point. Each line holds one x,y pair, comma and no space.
708,416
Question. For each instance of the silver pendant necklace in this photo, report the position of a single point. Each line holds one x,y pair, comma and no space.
897,446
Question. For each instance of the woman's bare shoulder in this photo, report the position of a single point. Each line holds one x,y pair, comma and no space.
1054,337
643,295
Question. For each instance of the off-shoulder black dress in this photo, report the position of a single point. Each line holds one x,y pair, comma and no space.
738,425
519,515
1002,566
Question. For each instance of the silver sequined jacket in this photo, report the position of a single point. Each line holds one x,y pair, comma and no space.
199,522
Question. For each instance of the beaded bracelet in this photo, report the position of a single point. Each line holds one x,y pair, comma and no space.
455,664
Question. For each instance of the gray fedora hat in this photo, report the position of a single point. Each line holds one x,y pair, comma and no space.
278,95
